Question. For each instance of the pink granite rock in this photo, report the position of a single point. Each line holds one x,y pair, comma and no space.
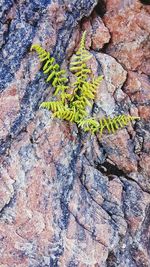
129,24
99,33
69,198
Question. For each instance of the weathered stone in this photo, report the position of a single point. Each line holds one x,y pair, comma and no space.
129,24
138,89
99,33
69,198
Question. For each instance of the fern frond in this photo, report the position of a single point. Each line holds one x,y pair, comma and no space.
84,91
60,88
55,75
54,106
109,124
66,114
82,50
73,107
89,125
82,42
113,124
95,83
43,55
82,56
88,91
78,68
65,96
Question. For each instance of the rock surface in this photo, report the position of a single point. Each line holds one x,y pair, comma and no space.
68,198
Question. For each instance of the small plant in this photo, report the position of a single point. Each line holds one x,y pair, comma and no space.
73,107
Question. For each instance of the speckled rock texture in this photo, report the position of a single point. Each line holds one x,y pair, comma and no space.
69,199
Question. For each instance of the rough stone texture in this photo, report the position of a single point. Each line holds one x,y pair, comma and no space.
98,32
68,198
128,22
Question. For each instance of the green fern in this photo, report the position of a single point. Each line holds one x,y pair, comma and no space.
66,114
109,124
57,77
84,91
82,56
54,106
73,107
